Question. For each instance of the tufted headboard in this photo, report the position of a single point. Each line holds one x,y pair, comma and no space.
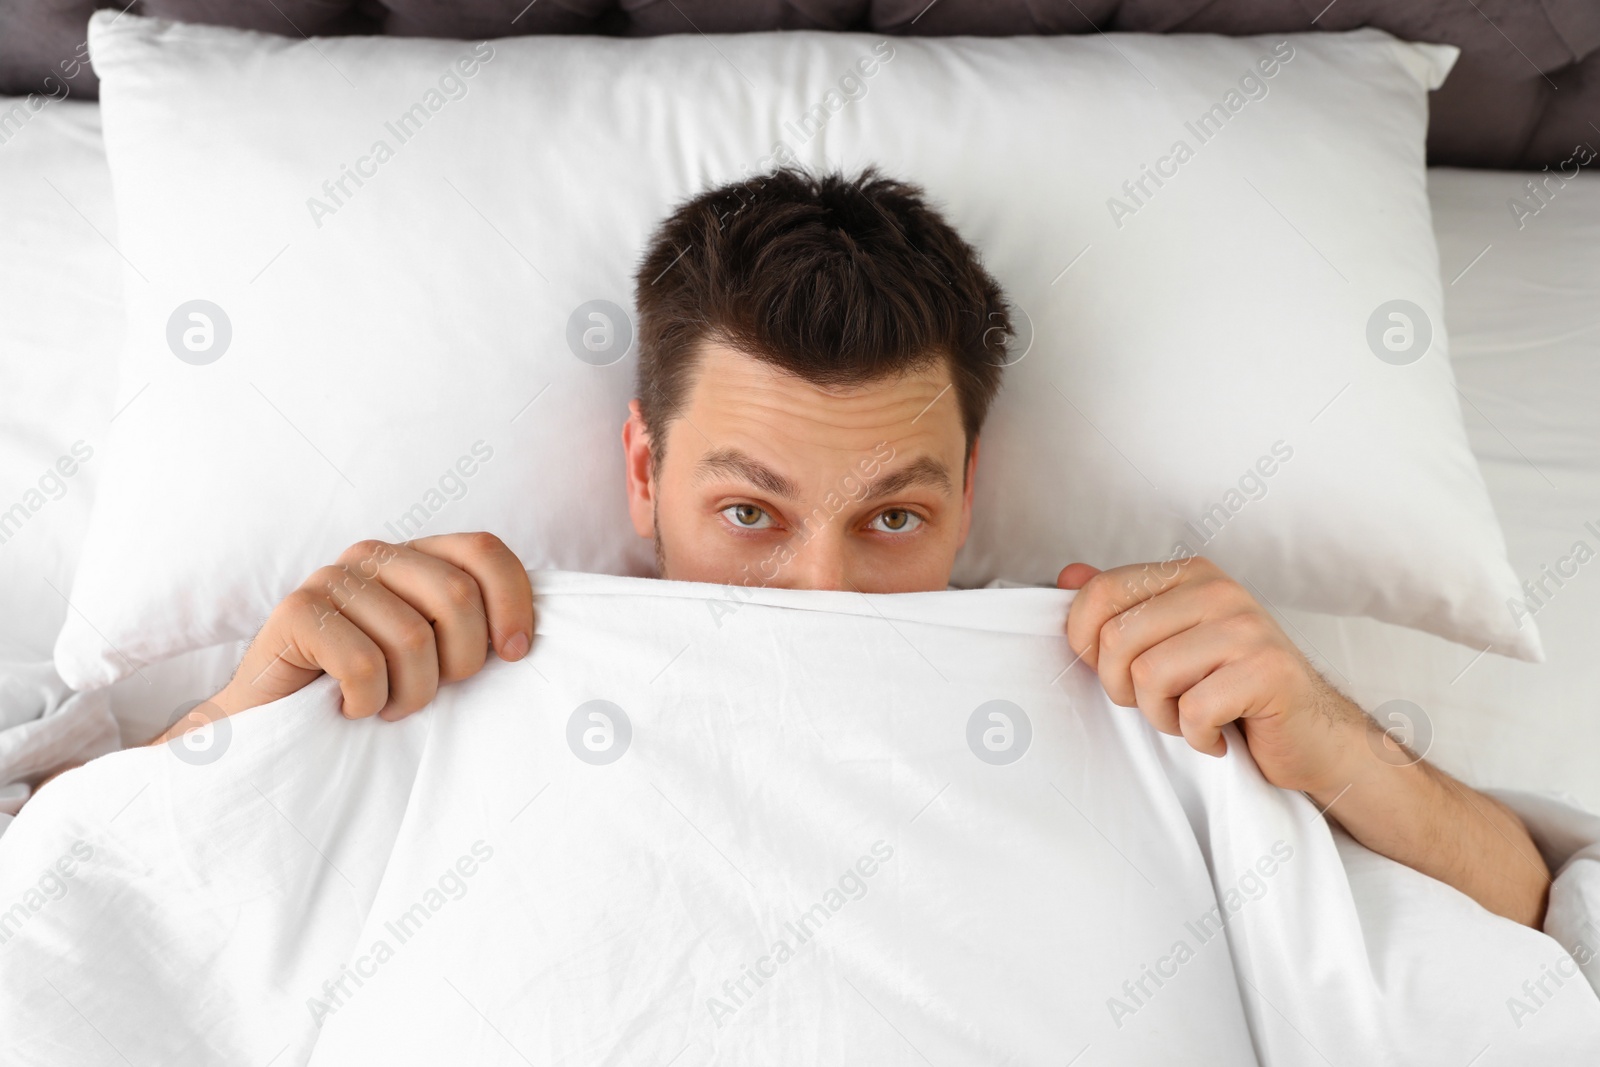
1525,93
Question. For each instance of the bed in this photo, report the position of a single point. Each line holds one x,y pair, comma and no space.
1517,259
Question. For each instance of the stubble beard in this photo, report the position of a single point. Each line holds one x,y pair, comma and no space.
655,533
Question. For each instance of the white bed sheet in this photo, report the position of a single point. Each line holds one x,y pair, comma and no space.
298,888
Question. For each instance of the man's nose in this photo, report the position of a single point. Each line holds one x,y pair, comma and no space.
821,562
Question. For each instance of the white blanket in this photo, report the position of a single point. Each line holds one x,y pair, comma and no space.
700,826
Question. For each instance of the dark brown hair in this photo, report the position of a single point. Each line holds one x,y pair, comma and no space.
839,281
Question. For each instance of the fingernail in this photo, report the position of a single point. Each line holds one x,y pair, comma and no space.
517,645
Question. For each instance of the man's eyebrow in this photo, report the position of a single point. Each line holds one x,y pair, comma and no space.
736,464
925,471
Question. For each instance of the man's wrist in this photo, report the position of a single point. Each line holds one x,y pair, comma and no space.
1360,750
1369,759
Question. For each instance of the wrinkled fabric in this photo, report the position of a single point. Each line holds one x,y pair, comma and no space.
45,726
739,826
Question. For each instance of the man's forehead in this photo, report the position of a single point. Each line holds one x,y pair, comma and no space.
731,386
746,421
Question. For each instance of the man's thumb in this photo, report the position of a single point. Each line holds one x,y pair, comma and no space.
1074,575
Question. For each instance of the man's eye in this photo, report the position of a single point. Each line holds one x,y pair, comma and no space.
748,517
896,520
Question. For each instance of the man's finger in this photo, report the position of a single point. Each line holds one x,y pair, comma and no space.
1144,632
443,594
1162,674
1223,696
404,634
1073,575
507,594
1109,593
330,642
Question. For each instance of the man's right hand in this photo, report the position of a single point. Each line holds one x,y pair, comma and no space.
390,622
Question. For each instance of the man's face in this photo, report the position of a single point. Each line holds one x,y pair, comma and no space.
770,480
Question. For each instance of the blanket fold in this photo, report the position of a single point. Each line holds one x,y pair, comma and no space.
739,826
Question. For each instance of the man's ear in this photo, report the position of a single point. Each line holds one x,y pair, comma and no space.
636,455
966,493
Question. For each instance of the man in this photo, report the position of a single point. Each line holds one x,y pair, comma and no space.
816,358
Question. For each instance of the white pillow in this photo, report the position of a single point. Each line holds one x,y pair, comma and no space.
60,328
1522,320
427,318
60,331
60,325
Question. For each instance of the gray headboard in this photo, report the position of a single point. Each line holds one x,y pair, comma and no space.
1525,93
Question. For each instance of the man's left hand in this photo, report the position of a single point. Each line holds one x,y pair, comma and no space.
1194,651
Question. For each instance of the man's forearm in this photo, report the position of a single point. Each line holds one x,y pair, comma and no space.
1412,812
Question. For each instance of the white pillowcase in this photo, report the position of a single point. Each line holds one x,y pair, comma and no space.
1523,332
60,328
60,324
400,345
